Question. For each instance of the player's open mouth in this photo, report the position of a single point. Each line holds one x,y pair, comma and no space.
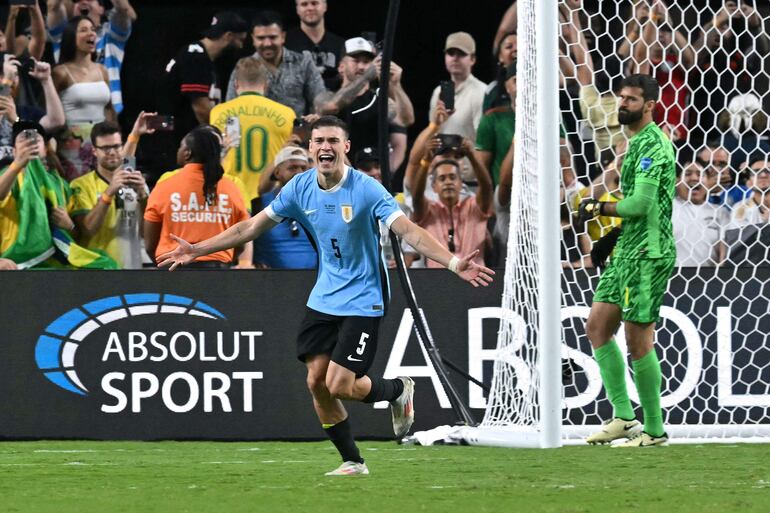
326,158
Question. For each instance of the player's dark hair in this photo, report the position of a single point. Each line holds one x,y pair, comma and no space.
267,18
206,149
103,129
647,83
333,121
69,38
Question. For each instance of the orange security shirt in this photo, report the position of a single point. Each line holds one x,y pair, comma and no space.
178,204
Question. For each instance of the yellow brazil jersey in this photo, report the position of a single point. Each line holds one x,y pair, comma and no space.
9,218
265,127
86,191
237,181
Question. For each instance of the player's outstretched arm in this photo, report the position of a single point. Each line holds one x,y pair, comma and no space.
426,245
234,236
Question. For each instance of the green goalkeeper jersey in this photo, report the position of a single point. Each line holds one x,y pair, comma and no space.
649,159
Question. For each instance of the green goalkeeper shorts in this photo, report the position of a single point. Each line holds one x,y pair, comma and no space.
636,286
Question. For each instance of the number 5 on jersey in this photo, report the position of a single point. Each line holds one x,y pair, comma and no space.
336,249
362,344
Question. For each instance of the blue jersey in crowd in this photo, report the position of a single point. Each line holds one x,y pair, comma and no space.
286,246
343,222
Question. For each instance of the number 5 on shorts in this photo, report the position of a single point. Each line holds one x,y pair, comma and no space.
362,344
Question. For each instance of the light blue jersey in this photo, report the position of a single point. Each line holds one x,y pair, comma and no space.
343,223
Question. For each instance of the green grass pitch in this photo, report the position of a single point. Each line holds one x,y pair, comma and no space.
168,477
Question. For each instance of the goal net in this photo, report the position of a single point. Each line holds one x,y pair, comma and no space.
712,337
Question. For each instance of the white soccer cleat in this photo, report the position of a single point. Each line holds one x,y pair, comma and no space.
402,409
615,429
645,440
350,468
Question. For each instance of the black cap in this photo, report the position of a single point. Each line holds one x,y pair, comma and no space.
225,21
366,155
22,125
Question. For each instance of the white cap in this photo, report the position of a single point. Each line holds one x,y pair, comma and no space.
359,45
290,153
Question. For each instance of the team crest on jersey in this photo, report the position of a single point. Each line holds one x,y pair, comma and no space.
347,213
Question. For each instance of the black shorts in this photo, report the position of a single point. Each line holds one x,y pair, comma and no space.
351,341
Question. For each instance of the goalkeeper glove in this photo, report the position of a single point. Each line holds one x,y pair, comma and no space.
603,247
589,208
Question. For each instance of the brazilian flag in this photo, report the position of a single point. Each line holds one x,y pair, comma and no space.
37,243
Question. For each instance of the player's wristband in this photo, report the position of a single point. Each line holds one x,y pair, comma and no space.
133,138
452,266
106,198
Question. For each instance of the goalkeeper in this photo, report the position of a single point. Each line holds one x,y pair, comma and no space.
632,286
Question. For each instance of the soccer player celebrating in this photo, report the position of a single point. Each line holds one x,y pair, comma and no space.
633,284
339,207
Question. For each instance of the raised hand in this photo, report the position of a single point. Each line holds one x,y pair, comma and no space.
472,272
182,255
41,71
441,114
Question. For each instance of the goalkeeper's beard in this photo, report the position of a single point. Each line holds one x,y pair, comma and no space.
628,117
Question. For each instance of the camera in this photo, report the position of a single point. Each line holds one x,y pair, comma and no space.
449,142
160,123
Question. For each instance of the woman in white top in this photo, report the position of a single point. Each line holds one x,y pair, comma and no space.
83,86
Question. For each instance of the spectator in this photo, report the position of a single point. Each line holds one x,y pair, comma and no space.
508,24
84,89
743,125
311,36
32,203
747,237
367,161
427,150
460,221
732,50
195,204
459,58
50,119
505,53
112,32
495,132
356,100
191,88
183,158
110,200
598,103
713,157
287,245
756,208
698,224
3,42
293,79
641,15
666,54
265,125
25,46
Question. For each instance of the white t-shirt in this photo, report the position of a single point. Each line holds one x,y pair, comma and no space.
697,230
469,103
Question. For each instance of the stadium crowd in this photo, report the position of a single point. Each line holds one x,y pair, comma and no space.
73,196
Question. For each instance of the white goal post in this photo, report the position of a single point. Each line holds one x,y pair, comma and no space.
713,338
